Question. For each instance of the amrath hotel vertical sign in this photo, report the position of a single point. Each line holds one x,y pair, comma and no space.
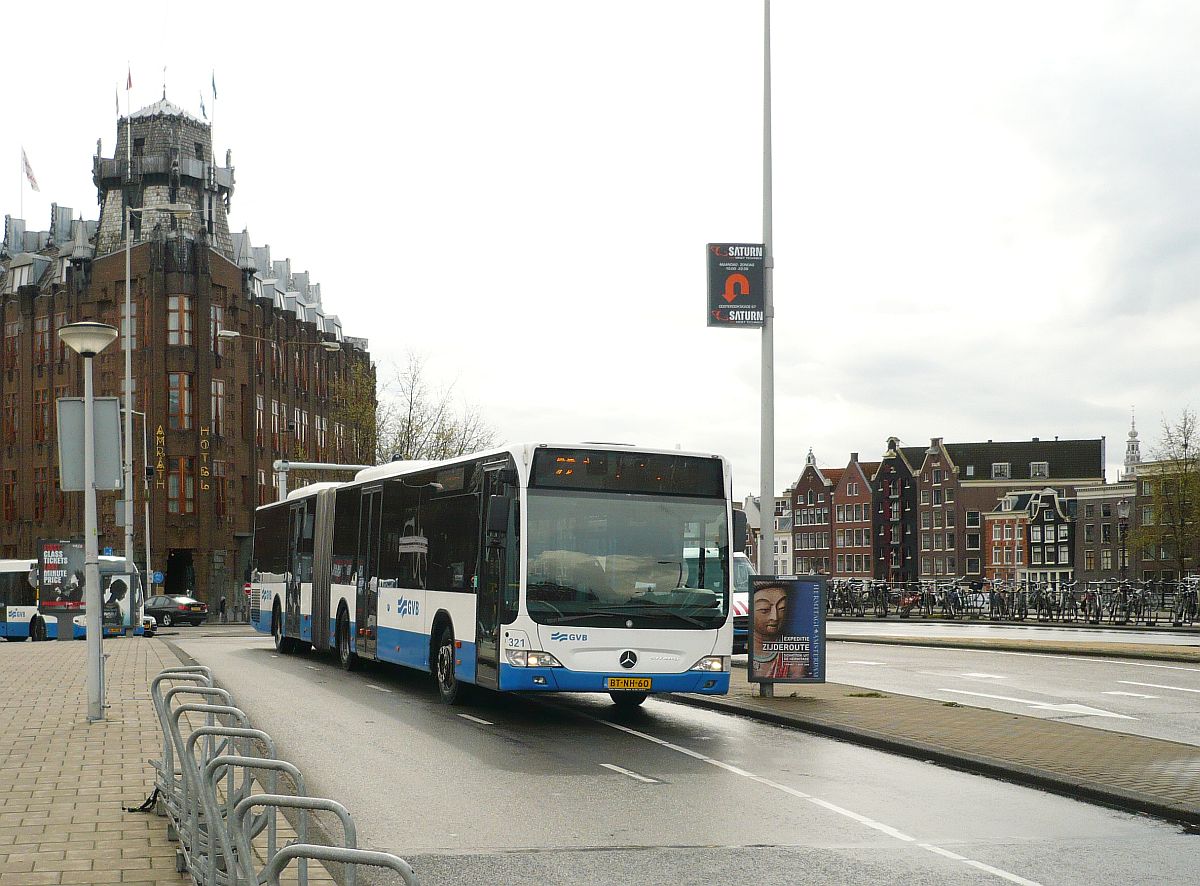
160,454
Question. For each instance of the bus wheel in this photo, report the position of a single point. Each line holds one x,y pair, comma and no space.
346,656
37,630
448,686
627,700
283,644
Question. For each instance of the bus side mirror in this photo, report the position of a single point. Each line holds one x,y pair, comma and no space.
497,514
739,531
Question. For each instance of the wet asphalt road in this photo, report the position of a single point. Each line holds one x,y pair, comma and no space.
561,789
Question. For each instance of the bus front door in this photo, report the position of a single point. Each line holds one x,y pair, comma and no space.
368,573
495,545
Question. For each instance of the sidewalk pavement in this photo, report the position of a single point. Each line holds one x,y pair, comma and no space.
64,783
1129,772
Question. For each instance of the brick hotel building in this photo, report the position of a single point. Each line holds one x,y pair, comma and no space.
218,411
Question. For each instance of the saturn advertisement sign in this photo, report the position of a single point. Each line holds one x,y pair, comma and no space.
736,284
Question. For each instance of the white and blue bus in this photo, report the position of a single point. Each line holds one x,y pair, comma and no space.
530,567
24,616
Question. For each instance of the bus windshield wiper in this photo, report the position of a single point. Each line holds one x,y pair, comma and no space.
656,610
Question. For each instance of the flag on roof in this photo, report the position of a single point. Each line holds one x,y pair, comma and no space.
214,84
128,78
202,110
29,172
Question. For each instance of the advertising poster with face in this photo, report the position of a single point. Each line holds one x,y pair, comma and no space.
787,629
60,566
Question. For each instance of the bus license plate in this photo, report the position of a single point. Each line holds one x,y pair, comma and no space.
627,683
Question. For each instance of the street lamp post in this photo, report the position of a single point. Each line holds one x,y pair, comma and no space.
178,210
89,339
331,347
1123,509
146,500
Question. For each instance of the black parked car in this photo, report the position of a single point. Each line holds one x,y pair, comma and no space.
177,610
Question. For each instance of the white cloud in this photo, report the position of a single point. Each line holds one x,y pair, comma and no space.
984,219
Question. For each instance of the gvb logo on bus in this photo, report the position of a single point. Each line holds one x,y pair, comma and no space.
405,606
560,635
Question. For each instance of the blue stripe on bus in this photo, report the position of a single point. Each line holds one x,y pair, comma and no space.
564,680
411,648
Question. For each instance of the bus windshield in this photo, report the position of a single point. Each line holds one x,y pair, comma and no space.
621,560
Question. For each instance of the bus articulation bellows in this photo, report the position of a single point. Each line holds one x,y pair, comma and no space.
530,567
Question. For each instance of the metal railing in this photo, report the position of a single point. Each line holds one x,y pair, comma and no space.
232,804
1111,601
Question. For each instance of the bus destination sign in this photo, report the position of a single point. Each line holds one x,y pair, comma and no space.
736,284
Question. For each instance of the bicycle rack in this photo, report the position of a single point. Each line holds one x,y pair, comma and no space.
356,857
211,807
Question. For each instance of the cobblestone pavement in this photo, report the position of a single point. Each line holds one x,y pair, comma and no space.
64,782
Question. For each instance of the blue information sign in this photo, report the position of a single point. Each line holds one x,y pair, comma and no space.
108,552
158,578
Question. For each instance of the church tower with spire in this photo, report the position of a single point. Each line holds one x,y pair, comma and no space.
1133,450
170,160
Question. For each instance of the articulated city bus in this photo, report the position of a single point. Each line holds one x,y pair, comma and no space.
587,568
24,615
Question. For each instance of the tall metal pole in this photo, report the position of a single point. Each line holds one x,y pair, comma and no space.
128,466
766,554
146,500
91,558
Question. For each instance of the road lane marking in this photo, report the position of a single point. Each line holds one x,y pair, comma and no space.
377,688
1114,661
983,676
312,667
631,774
816,801
1159,686
1131,694
478,720
1045,705
1004,875
863,662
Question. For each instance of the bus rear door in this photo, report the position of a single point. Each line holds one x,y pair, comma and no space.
368,572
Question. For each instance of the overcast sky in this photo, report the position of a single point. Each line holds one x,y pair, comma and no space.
985,213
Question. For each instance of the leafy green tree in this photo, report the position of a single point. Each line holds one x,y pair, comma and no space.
1174,486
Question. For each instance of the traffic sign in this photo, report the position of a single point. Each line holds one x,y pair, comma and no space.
108,552
157,577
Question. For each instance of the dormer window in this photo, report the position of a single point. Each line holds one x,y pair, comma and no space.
970,471
1000,470
1039,469
199,150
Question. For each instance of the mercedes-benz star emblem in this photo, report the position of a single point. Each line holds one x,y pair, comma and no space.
628,659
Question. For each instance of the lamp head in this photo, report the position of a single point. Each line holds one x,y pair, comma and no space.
87,338
1123,508
228,334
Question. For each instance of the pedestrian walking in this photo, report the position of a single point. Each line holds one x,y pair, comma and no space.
221,610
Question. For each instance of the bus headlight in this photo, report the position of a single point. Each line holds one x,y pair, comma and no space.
712,663
521,658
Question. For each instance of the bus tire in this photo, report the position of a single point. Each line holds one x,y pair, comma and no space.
37,630
283,645
347,657
627,701
450,690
